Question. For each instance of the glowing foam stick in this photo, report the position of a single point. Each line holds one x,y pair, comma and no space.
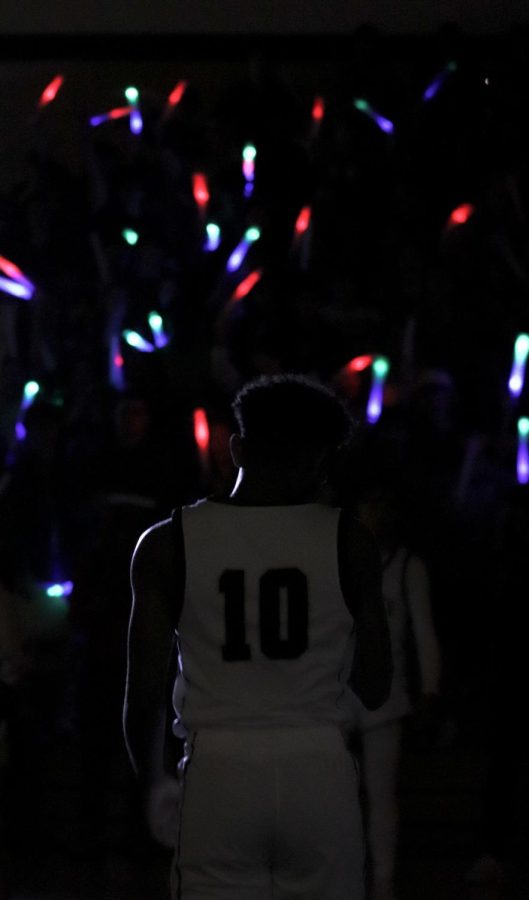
132,95
517,377
433,89
200,190
135,340
380,371
20,431
303,220
13,271
201,430
177,93
318,109
59,589
236,258
248,168
522,459
130,236
116,364
31,389
118,113
136,121
383,123
460,215
16,288
156,326
49,93
247,284
213,237
359,363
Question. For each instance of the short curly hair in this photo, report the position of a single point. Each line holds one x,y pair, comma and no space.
290,414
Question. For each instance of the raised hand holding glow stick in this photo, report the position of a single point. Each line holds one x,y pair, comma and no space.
522,458
200,191
384,124
236,258
517,377
380,370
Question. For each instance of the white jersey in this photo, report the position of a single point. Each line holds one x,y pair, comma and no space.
265,636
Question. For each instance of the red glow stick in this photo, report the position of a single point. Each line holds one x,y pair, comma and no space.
200,190
177,93
12,271
247,284
201,430
49,93
460,215
303,220
318,109
359,363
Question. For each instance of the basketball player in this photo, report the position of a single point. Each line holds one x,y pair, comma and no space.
276,602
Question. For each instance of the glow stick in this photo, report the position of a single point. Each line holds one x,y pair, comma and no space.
359,363
213,237
318,109
517,377
58,590
49,93
303,220
433,89
16,288
177,93
118,113
156,325
383,123
200,190
236,258
20,431
13,271
201,430
248,168
116,364
136,121
460,215
522,459
247,284
31,389
130,236
380,371
132,95
135,340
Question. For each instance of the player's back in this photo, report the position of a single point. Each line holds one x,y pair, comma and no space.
265,636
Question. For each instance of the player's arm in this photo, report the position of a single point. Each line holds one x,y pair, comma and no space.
361,580
152,626
418,595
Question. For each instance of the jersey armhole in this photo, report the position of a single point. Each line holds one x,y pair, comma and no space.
179,557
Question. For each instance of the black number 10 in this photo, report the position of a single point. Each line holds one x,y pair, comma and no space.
294,582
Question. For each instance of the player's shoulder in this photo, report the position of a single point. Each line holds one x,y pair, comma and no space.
357,544
154,544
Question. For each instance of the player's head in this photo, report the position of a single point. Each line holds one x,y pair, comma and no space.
289,422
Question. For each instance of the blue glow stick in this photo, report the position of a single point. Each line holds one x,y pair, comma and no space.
156,325
23,291
380,370
522,459
213,237
517,376
31,389
384,124
135,340
237,256
433,89
136,121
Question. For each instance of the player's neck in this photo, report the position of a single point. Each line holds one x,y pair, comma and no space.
253,490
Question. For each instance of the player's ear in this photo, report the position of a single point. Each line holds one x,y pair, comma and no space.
237,450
